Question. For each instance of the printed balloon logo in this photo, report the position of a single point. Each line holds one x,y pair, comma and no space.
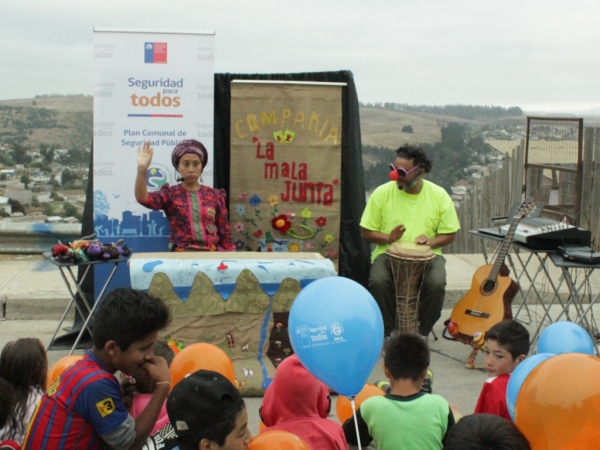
336,330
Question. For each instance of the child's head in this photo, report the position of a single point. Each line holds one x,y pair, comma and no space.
506,345
162,349
305,396
140,382
208,412
6,401
406,356
126,327
126,316
485,432
23,364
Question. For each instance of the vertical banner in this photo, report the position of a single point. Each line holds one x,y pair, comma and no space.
148,86
286,166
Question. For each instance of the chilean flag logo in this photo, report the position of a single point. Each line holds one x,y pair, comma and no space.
155,52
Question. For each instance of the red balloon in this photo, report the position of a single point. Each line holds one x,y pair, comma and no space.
277,440
201,356
343,407
558,405
59,367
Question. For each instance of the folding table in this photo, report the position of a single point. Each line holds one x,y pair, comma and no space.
575,298
65,268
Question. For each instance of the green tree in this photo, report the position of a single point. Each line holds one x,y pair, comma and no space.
16,206
48,209
25,180
70,209
68,177
76,156
6,160
47,153
454,136
19,154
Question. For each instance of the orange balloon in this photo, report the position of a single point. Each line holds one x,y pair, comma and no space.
277,440
59,367
201,356
558,405
343,407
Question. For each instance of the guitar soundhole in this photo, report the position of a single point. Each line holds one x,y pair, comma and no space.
488,286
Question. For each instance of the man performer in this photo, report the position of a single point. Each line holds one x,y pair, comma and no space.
409,209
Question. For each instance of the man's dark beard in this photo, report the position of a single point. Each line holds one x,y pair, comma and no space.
410,185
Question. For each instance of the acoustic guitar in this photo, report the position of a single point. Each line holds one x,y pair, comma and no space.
492,290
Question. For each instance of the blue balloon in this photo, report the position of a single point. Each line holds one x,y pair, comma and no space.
565,337
336,329
518,377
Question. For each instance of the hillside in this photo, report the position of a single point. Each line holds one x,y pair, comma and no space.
383,128
67,121
62,121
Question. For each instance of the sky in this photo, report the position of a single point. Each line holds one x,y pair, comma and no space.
539,55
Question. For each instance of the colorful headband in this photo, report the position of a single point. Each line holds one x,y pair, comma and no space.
189,146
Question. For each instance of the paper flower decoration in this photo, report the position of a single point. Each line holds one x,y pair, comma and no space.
281,223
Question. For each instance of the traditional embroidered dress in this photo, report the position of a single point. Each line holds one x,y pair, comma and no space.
198,219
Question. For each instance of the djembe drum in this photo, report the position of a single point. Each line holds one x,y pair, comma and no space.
410,262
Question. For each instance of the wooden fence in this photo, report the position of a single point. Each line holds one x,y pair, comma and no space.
493,195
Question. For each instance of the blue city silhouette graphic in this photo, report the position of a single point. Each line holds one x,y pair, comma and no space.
151,224
146,232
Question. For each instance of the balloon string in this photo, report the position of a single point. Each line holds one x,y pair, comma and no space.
355,421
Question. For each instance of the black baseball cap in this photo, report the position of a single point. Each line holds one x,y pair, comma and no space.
201,401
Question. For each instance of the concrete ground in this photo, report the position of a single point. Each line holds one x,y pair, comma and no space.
33,298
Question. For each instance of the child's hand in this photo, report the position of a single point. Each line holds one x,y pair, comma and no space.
158,369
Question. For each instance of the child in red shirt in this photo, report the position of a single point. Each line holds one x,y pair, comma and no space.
506,345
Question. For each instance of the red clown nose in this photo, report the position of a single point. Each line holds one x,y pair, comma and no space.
394,175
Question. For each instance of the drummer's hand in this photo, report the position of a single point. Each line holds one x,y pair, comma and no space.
397,233
422,240
145,156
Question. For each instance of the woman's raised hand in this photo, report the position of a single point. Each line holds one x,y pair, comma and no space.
145,153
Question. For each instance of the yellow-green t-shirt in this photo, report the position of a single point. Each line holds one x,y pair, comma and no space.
430,212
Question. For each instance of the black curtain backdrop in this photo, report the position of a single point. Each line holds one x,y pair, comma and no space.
354,262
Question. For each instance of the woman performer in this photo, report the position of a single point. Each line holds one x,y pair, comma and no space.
197,214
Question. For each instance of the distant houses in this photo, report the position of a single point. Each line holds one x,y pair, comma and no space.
8,174
23,196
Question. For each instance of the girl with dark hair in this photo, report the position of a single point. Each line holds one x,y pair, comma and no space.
197,214
23,363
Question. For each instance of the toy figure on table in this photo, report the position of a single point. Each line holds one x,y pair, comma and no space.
197,214
89,249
